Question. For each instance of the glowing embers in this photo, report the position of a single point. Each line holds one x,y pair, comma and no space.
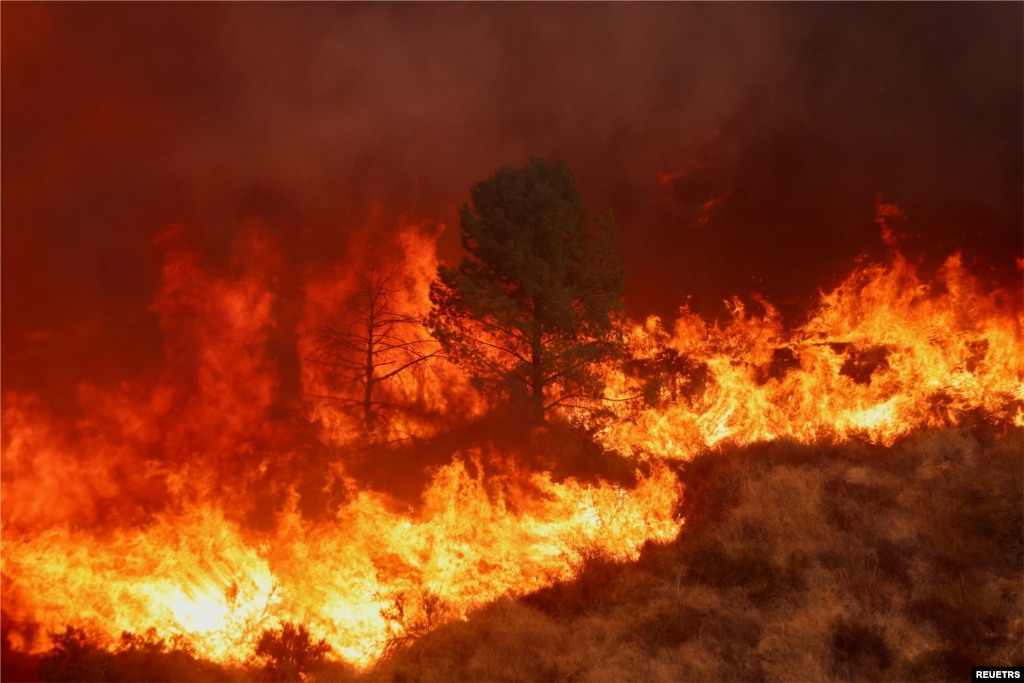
371,577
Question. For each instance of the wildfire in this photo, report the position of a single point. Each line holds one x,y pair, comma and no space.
137,514
140,513
369,575
884,355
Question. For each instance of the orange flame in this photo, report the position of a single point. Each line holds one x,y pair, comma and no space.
139,514
885,354
436,388
198,574
177,506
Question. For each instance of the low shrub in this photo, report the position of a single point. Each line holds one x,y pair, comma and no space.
287,653
137,657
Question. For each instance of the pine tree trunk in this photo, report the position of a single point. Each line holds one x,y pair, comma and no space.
537,377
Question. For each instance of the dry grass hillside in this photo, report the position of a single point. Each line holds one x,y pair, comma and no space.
796,563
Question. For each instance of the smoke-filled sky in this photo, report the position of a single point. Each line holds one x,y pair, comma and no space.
741,147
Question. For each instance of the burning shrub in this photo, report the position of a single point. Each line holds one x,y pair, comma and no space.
410,615
504,641
587,591
288,653
75,658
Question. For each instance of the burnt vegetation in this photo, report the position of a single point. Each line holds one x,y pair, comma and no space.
371,346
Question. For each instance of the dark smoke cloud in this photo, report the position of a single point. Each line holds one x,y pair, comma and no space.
740,146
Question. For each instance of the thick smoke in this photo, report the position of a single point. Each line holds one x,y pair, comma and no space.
741,147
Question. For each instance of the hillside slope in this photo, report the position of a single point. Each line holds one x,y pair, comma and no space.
824,563
796,563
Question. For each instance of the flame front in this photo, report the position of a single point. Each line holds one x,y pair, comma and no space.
884,355
179,505
140,513
199,575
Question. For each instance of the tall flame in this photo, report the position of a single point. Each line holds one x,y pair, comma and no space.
885,354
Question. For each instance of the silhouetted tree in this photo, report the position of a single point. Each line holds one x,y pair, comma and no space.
538,297
371,345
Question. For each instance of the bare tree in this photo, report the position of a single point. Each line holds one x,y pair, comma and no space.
372,346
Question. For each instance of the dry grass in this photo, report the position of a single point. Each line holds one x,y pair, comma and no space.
796,563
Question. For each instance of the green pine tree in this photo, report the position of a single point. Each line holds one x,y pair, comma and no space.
538,298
